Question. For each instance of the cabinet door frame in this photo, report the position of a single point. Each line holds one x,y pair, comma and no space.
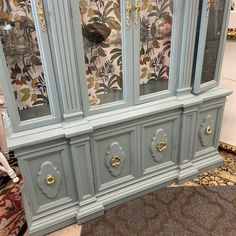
46,58
176,33
127,52
201,43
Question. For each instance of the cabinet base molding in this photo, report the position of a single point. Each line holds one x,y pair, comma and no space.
208,162
186,172
48,222
89,211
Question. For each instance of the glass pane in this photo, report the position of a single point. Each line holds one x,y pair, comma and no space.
20,46
101,27
155,44
214,28
197,38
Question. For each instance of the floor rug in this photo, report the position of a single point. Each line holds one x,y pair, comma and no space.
222,176
176,211
208,207
12,216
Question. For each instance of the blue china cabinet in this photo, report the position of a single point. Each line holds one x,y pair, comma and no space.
109,99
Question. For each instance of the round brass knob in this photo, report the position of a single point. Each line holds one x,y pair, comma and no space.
50,179
208,130
161,146
115,161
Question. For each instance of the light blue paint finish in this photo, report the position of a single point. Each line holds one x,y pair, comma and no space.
96,188
170,126
101,145
80,148
61,31
31,162
82,162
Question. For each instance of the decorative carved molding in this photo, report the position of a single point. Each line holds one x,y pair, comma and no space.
159,145
115,158
49,179
206,131
65,56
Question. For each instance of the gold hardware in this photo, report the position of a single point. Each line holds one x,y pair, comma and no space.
161,146
209,3
41,15
128,10
50,179
136,9
115,161
208,130
231,35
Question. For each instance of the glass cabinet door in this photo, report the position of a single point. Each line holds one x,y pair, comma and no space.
101,26
155,45
212,34
153,21
22,59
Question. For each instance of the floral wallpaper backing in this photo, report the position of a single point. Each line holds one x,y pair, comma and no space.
101,26
155,39
17,33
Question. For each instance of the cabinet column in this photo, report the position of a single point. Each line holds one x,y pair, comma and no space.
59,12
188,131
188,46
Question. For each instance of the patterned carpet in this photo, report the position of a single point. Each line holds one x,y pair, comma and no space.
12,216
169,204
223,176
180,211
205,208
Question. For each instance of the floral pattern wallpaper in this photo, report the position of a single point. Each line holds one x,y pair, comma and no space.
101,26
18,37
155,39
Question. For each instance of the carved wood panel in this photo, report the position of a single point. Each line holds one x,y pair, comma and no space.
159,145
49,179
206,130
115,158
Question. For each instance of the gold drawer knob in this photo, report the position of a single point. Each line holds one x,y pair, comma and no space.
115,161
50,179
208,130
161,146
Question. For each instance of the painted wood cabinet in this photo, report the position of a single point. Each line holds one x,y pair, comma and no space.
109,100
